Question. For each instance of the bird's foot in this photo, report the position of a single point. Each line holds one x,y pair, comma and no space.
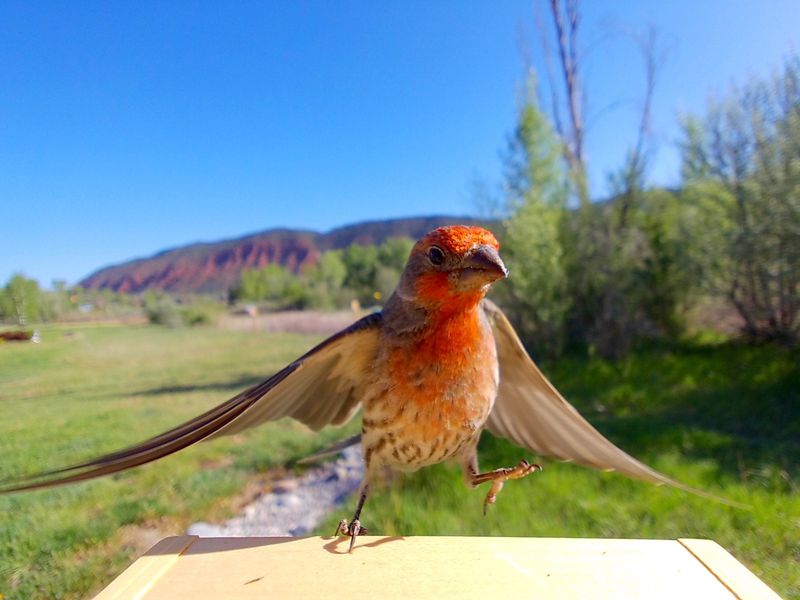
498,477
354,529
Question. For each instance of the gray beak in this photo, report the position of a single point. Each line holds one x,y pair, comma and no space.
486,259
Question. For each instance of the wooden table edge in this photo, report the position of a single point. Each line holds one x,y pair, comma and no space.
135,581
741,582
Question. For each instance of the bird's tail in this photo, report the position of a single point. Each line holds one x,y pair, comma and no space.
334,448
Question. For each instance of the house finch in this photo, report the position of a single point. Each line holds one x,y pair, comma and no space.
431,371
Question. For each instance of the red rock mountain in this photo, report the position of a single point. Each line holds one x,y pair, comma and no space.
213,267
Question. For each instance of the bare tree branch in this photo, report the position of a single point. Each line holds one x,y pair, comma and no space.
567,43
555,101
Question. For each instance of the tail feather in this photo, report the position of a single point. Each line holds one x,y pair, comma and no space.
335,448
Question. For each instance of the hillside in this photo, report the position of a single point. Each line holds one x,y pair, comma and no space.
213,267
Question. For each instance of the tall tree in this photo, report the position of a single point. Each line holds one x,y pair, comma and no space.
603,247
536,200
748,144
21,300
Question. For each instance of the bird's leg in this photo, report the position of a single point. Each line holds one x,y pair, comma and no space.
498,477
354,528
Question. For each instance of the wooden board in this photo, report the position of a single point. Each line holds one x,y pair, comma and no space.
188,567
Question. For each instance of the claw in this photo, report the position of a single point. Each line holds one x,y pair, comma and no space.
499,476
523,468
354,529
341,529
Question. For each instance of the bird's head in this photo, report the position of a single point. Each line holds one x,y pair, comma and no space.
452,265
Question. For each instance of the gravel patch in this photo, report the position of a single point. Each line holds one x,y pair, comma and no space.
294,506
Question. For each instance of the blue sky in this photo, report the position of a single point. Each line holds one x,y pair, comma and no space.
128,127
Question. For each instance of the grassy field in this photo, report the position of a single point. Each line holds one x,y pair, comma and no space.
721,417
88,390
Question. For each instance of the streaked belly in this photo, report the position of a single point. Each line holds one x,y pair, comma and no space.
439,395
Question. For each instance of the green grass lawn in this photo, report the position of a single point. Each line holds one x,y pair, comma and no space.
85,391
720,417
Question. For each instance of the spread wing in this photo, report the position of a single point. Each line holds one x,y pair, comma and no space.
322,387
530,412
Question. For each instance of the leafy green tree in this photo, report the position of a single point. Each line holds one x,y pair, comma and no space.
607,259
634,284
392,257
295,294
22,301
707,224
269,283
600,276
325,282
744,155
536,200
330,270
361,263
393,253
666,283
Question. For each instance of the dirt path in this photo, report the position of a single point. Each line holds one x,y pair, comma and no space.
295,506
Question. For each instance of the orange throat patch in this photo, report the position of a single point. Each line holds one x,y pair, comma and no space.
447,379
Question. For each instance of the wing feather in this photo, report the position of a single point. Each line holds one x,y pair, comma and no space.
530,412
322,387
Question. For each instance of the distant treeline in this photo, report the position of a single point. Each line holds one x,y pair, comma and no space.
366,274
24,302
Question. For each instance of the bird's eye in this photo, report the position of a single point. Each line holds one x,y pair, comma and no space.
435,255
